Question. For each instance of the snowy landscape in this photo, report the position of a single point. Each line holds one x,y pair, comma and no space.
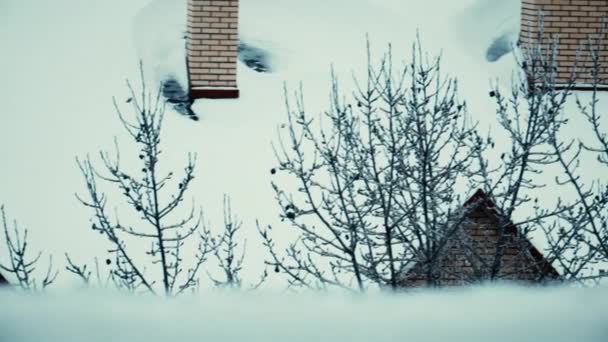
65,65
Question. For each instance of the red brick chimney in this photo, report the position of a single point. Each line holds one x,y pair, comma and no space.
212,48
574,22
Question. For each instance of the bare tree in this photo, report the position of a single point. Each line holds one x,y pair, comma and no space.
377,176
377,189
228,254
88,276
155,198
514,181
578,240
21,265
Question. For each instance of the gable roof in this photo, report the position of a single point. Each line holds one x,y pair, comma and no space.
482,202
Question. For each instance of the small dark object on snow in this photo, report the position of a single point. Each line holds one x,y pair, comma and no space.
138,208
194,117
273,171
108,261
492,93
254,57
178,97
291,215
129,100
276,269
500,47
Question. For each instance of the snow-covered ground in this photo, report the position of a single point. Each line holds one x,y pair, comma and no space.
472,315
62,62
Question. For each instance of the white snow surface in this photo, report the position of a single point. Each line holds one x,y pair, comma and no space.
64,60
466,314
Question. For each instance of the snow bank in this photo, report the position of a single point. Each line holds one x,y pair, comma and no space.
483,314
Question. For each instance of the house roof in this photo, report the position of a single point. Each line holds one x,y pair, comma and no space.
480,200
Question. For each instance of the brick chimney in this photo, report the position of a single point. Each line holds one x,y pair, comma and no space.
212,48
574,22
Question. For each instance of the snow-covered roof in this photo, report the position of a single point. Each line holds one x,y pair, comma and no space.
61,71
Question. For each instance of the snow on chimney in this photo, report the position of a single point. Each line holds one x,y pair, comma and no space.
574,22
212,48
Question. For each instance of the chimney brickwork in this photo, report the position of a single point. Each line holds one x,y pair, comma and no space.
574,22
212,43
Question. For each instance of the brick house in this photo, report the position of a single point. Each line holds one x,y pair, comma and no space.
573,22
470,253
212,42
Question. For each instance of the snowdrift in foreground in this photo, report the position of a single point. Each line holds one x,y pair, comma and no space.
480,314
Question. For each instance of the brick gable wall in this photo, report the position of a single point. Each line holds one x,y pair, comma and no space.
212,48
574,21
469,255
